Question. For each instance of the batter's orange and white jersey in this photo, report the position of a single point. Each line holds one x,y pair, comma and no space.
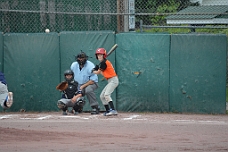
109,72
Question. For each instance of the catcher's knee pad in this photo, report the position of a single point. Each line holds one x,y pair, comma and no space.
61,105
80,101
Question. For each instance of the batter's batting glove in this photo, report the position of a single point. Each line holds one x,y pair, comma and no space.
95,68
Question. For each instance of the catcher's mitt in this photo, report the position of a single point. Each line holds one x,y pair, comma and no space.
62,86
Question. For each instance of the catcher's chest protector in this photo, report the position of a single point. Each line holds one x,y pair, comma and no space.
72,88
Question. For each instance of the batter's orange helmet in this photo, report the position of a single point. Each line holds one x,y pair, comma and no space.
101,51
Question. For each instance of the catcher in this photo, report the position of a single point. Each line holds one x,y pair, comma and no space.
71,97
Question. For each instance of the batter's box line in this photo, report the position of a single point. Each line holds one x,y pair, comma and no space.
39,118
6,117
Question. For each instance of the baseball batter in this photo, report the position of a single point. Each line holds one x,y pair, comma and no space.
106,69
6,97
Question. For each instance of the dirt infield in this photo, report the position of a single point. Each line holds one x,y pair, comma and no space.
127,132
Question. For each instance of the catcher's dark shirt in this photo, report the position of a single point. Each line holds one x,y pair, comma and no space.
71,90
2,78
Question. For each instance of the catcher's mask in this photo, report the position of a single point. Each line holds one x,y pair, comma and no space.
81,58
69,72
101,51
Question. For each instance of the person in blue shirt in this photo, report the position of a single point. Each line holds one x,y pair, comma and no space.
6,97
87,81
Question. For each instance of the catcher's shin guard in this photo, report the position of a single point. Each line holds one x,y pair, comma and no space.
78,106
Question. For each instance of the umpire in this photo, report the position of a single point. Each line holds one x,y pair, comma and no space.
88,82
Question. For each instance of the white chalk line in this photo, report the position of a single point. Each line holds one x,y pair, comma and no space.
6,117
202,121
99,117
77,116
39,118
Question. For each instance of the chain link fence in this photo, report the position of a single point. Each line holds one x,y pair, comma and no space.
85,15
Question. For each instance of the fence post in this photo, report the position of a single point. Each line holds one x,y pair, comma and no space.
141,24
126,17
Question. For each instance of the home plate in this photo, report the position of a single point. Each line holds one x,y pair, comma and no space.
131,117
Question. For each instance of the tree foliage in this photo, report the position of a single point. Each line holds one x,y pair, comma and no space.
158,7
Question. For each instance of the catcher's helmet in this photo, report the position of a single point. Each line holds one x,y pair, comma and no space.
81,58
69,72
101,51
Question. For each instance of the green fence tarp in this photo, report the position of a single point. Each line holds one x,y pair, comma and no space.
31,65
142,62
72,43
157,72
198,73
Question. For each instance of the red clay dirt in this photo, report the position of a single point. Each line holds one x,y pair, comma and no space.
127,132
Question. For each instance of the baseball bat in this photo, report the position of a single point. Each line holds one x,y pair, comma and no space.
112,49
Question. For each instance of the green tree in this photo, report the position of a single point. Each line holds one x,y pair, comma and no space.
170,7
156,7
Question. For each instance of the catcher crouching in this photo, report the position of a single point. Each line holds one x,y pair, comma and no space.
71,97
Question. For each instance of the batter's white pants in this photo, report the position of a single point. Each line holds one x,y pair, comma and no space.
105,95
